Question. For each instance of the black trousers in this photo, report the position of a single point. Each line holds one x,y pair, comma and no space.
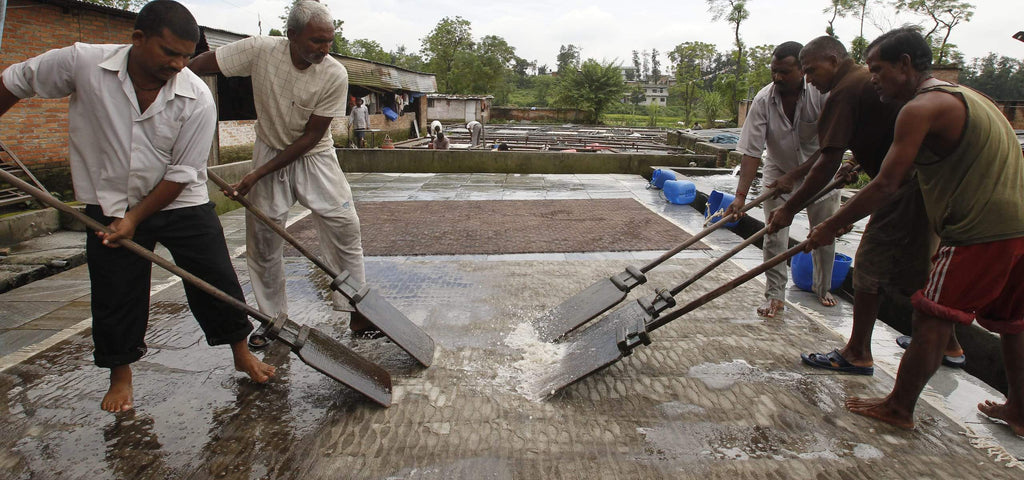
120,282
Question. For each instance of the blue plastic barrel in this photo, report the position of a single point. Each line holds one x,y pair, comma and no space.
719,201
660,176
680,192
802,267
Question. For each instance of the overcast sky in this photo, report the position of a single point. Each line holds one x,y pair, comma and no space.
609,30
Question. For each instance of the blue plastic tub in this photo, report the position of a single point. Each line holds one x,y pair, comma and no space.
660,176
719,201
802,267
680,192
389,113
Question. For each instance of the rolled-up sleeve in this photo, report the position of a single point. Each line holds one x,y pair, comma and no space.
754,135
192,146
50,75
335,98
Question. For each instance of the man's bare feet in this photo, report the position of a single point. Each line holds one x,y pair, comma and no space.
828,300
999,411
248,364
770,308
119,395
880,409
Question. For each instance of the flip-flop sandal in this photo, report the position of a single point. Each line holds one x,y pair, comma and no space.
834,361
953,362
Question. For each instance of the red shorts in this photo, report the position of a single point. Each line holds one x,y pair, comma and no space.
984,281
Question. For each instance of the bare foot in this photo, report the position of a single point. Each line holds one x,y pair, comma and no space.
248,364
770,308
119,395
828,300
1001,412
879,409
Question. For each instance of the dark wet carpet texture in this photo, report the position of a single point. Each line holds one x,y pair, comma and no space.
504,227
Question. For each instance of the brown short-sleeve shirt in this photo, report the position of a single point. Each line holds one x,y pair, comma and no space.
854,118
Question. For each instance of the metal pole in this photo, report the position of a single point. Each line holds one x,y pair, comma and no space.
3,16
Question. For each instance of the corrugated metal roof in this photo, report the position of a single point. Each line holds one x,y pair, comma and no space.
217,38
389,77
361,72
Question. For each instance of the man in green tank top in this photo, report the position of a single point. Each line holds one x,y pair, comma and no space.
971,172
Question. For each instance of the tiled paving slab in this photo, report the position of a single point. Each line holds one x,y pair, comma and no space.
719,394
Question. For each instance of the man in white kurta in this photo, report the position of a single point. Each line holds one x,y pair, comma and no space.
140,132
298,89
782,125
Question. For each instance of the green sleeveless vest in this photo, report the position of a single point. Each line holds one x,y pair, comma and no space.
976,194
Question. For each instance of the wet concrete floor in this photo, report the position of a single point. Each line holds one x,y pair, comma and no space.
720,393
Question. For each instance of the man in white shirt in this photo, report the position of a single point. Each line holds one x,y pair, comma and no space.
360,122
783,119
140,134
476,132
298,90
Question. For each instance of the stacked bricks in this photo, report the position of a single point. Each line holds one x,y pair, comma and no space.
37,129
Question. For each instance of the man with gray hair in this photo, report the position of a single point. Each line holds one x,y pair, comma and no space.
298,90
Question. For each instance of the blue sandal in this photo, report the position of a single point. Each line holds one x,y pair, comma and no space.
834,361
953,362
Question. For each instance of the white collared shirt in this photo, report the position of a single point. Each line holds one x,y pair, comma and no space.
788,144
117,153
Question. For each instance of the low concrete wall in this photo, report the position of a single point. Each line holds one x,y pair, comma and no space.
231,173
538,114
485,161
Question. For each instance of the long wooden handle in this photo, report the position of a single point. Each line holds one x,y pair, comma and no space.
750,240
707,297
277,228
703,233
139,250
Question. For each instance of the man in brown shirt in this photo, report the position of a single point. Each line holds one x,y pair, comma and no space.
895,250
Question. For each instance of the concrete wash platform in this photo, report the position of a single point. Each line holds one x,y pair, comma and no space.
720,393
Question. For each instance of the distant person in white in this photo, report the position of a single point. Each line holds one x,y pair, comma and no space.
783,118
360,121
298,90
476,132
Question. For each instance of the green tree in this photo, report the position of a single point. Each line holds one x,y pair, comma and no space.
275,33
694,63
759,71
450,39
945,14
655,66
544,88
838,9
401,57
999,77
734,12
711,104
568,58
369,50
638,72
593,88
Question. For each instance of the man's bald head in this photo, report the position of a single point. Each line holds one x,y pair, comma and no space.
824,46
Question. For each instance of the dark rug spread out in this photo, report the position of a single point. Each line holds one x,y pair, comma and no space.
504,227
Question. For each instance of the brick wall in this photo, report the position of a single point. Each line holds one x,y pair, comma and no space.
36,129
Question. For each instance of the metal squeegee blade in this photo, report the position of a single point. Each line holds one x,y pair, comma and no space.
592,349
578,310
393,323
335,360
